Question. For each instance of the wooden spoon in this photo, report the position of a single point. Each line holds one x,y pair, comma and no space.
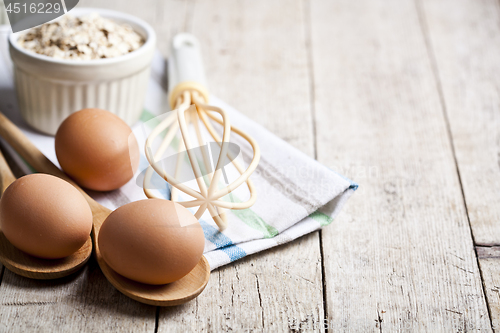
174,293
29,266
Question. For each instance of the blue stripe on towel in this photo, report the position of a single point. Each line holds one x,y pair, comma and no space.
234,253
222,242
352,185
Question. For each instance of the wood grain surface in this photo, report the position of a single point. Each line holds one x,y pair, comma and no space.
465,39
401,256
489,262
84,302
399,95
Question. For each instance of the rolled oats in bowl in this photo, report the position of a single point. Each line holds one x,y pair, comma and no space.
82,38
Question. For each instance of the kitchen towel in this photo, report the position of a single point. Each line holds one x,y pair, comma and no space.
296,195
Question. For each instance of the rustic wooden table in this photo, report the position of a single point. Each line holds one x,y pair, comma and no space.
402,96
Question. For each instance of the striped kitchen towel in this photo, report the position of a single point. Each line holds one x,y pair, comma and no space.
296,195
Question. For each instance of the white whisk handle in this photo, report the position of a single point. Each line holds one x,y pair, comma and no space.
185,63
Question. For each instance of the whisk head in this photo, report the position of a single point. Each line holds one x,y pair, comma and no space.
206,159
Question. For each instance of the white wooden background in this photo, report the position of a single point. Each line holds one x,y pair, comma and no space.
402,96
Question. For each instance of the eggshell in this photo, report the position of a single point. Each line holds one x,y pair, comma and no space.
97,149
146,242
45,216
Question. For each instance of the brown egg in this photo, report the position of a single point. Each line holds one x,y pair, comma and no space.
152,241
97,149
45,216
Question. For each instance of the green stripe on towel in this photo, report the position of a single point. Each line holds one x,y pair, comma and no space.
250,218
147,116
321,218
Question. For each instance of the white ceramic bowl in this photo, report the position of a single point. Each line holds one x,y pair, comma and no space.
50,89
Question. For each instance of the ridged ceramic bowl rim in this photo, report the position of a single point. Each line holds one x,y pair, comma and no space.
150,39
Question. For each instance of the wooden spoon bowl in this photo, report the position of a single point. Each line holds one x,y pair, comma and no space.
36,268
43,269
174,293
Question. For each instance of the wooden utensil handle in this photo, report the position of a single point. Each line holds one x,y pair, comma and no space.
23,146
6,175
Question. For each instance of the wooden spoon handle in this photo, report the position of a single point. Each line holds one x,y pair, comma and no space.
6,175
14,137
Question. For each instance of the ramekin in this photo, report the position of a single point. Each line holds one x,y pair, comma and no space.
49,89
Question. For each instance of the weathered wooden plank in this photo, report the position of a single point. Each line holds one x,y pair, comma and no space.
145,9
401,256
489,262
490,270
83,302
275,291
166,17
465,41
173,16
255,58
